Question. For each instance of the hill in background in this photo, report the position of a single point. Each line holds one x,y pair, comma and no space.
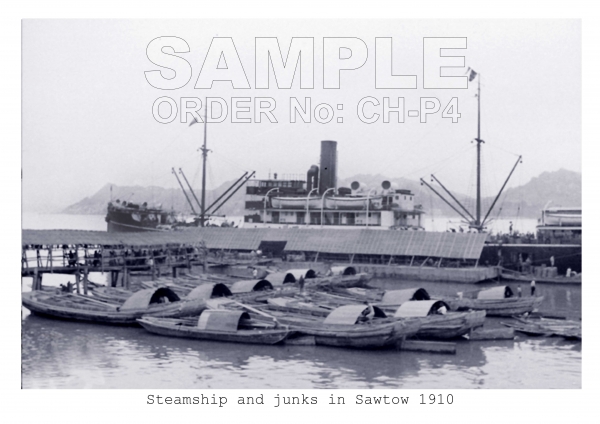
562,188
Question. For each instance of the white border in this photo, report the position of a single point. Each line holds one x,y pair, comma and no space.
129,405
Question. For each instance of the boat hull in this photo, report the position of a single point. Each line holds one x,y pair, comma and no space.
451,325
296,202
562,219
170,327
349,203
367,336
118,227
550,280
498,307
41,304
108,316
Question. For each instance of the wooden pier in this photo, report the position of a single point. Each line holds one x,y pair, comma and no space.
453,256
79,254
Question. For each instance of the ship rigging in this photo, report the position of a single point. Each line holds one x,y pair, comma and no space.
475,221
211,210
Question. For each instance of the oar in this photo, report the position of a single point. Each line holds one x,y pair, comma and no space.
87,299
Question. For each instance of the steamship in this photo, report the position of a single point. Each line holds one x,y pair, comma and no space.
132,217
317,201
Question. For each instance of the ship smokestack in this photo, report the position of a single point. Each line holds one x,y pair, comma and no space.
328,177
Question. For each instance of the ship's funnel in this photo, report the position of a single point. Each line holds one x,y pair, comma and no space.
328,176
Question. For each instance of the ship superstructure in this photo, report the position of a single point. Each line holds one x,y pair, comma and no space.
317,201
560,225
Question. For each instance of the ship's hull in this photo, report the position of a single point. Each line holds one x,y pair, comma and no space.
118,227
565,255
128,220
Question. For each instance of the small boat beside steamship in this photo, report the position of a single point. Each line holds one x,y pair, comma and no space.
124,216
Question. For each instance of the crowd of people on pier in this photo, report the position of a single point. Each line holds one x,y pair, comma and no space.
71,256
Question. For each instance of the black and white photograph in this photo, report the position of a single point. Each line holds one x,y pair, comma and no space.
302,211
301,204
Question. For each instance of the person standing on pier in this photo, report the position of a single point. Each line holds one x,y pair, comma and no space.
533,287
301,284
528,263
519,292
520,263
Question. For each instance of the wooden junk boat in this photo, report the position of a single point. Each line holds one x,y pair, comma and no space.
437,321
161,302
340,276
345,327
497,301
241,290
218,325
201,291
511,275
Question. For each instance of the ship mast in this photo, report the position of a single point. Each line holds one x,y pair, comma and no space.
204,154
479,141
475,222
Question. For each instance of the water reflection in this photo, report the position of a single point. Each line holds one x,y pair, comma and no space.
59,354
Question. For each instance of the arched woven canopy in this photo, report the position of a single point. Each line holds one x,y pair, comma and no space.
500,292
209,290
420,308
306,273
221,320
343,270
281,278
398,297
143,298
349,314
247,286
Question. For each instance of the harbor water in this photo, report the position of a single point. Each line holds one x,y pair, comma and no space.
61,354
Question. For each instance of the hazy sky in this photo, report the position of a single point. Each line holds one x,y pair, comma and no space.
87,107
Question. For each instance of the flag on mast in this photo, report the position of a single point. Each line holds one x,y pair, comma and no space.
472,74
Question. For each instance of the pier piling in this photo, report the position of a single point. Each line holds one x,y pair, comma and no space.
77,278
85,280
